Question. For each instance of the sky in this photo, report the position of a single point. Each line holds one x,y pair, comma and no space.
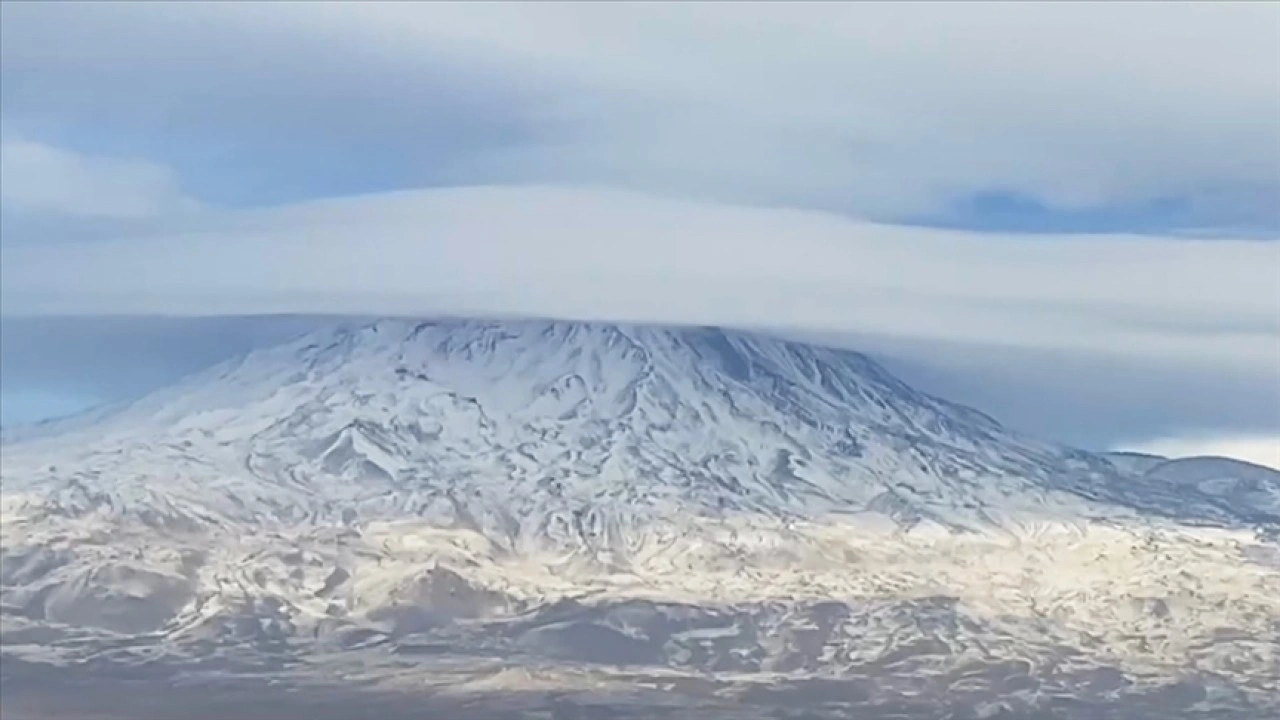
1063,214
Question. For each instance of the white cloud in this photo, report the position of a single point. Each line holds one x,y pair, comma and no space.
584,253
1084,339
875,108
1259,449
39,178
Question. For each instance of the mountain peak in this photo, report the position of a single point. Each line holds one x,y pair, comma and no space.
711,419
694,497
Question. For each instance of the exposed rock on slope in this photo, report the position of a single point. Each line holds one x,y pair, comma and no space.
685,500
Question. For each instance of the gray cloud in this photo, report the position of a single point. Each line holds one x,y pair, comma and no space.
246,113
872,108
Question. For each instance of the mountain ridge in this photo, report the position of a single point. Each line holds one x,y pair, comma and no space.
618,495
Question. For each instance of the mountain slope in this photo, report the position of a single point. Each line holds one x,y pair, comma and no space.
600,495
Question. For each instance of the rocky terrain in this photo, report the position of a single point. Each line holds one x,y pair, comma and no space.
550,519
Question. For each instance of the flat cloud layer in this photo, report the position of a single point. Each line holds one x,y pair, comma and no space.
1184,330
588,254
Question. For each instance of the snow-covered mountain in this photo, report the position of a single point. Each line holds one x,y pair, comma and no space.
580,498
